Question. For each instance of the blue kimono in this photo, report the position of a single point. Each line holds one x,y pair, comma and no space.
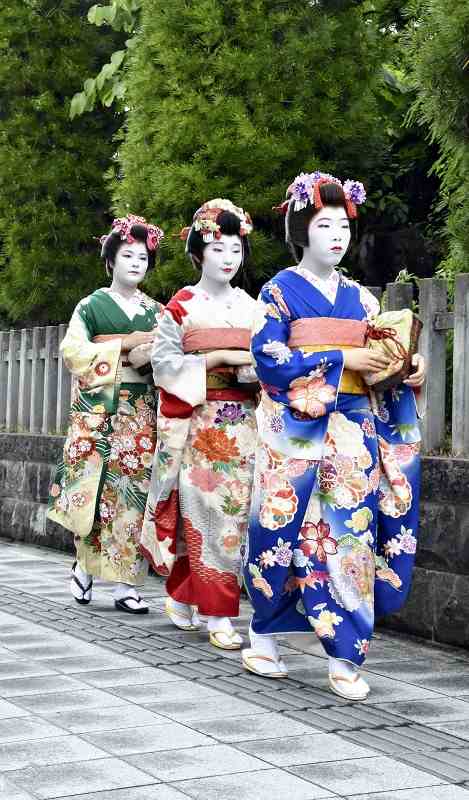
334,514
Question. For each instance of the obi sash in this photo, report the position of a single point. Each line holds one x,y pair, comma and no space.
315,335
222,383
127,372
207,339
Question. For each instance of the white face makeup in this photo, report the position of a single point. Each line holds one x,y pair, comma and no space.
222,259
131,264
329,237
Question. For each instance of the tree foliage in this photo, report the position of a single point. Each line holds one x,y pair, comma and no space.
228,98
437,38
53,197
109,86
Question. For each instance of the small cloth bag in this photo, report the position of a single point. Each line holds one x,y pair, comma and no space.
395,334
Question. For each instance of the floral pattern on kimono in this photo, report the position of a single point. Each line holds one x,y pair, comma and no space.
197,510
101,486
334,515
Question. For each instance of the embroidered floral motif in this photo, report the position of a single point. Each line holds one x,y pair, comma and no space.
311,395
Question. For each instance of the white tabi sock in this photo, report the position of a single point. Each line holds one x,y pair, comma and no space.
85,579
220,624
264,645
183,608
122,590
337,666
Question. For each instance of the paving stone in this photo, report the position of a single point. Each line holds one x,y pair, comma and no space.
69,779
57,750
428,711
458,729
196,762
429,793
445,765
187,712
320,720
148,739
27,728
68,701
167,692
20,669
312,748
104,719
80,664
8,791
395,741
133,676
156,792
360,775
272,784
11,710
38,685
251,727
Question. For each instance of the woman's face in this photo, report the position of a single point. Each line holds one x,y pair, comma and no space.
329,236
131,264
222,258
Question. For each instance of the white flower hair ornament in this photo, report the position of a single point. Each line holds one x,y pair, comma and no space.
205,219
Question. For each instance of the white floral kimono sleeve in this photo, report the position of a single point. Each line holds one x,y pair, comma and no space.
183,375
95,364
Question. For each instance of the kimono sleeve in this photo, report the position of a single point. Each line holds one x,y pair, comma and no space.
314,377
183,375
95,364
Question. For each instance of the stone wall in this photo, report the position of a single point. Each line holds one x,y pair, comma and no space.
27,464
438,606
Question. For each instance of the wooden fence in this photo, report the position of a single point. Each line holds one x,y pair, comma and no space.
35,386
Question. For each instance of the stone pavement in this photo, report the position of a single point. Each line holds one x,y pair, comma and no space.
99,705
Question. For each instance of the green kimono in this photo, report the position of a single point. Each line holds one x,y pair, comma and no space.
101,486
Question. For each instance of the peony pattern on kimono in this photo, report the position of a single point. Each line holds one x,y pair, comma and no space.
325,623
352,573
311,394
395,491
403,542
279,501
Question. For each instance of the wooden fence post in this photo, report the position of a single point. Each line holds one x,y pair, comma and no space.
399,295
37,380
24,382
3,378
460,427
433,301
50,380
13,380
63,388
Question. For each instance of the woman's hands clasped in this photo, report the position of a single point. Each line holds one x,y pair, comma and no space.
230,358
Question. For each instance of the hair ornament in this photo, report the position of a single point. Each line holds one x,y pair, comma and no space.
205,222
123,226
306,189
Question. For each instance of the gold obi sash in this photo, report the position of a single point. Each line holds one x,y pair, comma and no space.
320,334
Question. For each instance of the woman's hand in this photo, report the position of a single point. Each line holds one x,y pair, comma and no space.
363,359
231,358
417,378
135,339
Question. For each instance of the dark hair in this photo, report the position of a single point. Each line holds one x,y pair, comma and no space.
297,222
114,242
230,225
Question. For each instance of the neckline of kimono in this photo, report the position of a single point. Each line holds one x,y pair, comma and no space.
321,284
139,311
207,296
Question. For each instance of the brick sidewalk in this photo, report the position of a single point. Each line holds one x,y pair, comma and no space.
99,705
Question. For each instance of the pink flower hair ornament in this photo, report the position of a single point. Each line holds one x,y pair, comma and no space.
306,189
205,222
123,227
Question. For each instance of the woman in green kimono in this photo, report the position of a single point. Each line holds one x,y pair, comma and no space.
101,486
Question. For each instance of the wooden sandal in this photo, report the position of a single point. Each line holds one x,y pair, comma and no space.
248,656
214,638
173,615
356,695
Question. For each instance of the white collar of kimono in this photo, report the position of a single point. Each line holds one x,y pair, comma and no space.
206,296
131,306
327,286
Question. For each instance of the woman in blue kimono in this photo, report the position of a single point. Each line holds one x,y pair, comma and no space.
334,514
